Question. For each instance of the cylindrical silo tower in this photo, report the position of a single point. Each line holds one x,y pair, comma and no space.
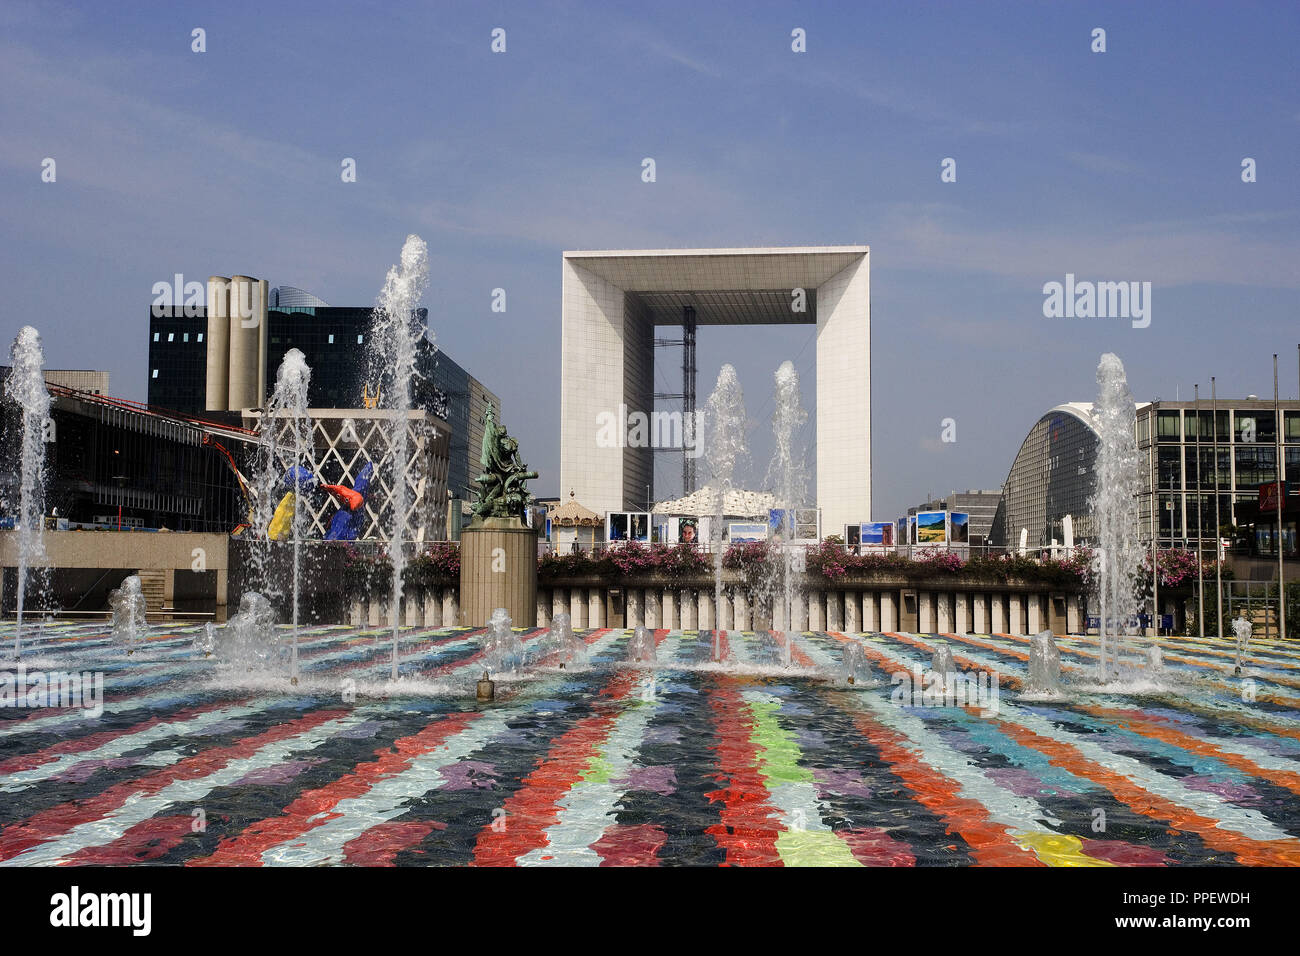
262,291
247,335
218,353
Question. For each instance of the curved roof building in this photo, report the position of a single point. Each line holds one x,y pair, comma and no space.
1051,477
290,297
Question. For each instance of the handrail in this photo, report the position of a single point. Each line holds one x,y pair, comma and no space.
132,405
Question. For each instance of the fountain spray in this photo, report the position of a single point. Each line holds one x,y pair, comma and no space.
26,386
726,448
786,472
1114,503
292,384
394,341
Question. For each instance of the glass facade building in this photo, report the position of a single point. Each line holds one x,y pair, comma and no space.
1052,477
333,341
1178,444
1180,441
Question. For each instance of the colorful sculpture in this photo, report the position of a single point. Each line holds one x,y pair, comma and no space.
347,522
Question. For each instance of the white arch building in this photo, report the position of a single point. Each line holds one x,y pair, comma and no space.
612,301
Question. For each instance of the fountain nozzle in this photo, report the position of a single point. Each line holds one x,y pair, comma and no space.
487,688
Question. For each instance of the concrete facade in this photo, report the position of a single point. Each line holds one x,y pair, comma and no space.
498,568
613,301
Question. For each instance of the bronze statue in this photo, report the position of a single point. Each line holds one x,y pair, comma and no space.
501,490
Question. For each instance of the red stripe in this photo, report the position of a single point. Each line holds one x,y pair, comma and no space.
749,827
89,742
54,822
380,845
635,845
532,808
314,807
724,645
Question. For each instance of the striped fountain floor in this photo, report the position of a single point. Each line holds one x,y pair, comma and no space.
736,748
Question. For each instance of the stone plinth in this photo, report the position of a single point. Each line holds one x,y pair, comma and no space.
498,568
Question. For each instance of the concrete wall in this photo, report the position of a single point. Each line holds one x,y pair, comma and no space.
844,397
132,551
853,608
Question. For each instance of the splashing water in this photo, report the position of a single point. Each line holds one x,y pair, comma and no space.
285,465
569,650
205,642
727,447
394,342
503,652
1241,630
942,662
856,668
1114,505
249,642
787,475
1044,664
129,607
26,386
641,648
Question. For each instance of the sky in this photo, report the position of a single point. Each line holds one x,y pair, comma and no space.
1122,165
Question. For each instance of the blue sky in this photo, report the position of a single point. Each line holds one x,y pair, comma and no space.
1124,165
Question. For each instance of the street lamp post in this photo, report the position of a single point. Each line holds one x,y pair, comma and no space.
1218,524
1281,495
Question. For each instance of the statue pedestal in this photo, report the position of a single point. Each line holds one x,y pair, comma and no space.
498,568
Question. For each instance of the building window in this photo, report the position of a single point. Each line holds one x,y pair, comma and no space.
200,338
1255,427
1168,426
156,336
185,337
1255,466
331,338
360,339
155,373
171,336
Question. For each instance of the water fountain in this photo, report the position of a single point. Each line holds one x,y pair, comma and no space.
503,652
1114,506
786,474
1241,630
641,647
394,342
856,668
129,607
726,444
282,472
567,648
205,642
249,642
26,386
1044,665
941,662
1155,661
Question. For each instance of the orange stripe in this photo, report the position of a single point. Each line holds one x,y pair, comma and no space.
1248,851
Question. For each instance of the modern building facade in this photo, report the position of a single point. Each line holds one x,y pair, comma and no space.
1179,442
89,381
200,366
111,461
1052,477
612,304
